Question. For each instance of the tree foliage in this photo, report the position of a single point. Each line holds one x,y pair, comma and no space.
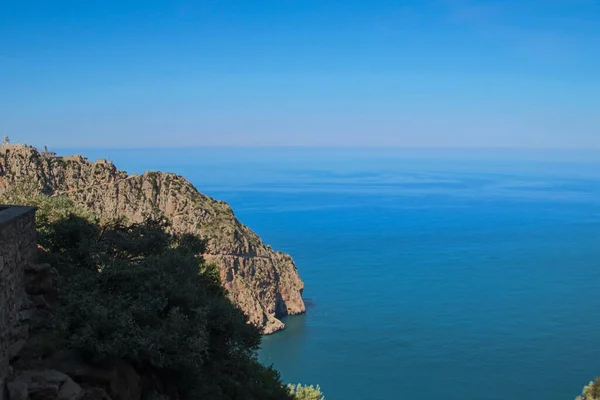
591,391
136,291
139,293
301,392
50,209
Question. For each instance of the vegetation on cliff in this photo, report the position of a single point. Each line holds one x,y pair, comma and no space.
301,392
264,283
139,293
591,391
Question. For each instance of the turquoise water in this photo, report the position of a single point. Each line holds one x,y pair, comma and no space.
429,275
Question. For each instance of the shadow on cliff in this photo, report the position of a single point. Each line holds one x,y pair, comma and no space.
136,313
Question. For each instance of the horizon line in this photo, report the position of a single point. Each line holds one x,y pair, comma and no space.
328,147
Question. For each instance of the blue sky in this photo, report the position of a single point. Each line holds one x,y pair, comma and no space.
439,73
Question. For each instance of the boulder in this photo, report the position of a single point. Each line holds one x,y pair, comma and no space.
18,335
43,385
120,380
17,390
69,391
94,393
15,348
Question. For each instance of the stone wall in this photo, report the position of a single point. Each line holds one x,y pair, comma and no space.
18,250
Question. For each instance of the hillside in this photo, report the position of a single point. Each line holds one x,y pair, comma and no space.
263,282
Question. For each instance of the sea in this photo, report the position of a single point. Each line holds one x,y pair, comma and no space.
430,273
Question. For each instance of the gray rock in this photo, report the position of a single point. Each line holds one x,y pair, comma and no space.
43,385
17,390
69,391
19,331
94,393
15,348
263,283
120,380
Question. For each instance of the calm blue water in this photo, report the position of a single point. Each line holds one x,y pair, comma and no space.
430,274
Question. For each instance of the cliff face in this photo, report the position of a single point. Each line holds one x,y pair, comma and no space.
264,283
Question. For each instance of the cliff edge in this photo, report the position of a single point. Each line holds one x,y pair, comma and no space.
264,283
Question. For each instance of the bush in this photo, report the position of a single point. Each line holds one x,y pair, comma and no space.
49,209
591,391
139,293
301,392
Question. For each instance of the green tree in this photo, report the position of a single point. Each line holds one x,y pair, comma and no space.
139,293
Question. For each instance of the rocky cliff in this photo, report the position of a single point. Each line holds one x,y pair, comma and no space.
263,282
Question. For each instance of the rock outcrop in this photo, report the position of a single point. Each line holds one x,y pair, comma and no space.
43,385
116,381
264,283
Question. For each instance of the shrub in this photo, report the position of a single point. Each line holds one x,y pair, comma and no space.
301,392
138,293
143,295
592,390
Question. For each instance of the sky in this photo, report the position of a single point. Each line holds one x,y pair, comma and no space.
379,73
